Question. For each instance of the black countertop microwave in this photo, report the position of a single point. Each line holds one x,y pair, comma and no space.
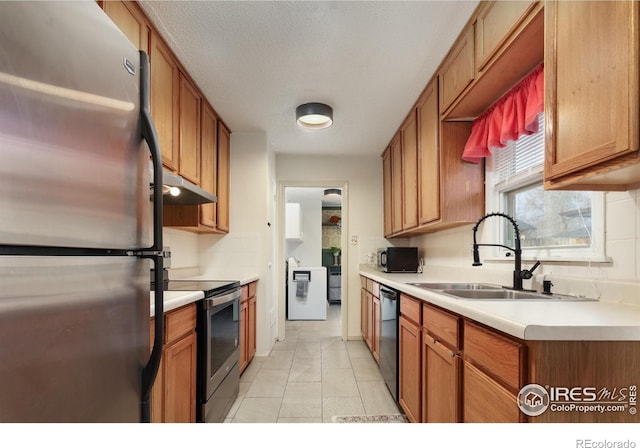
398,259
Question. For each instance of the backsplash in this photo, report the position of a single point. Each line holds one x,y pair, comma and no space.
615,281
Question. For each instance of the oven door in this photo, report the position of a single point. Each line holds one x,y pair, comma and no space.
221,337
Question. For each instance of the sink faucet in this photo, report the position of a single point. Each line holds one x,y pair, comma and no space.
518,273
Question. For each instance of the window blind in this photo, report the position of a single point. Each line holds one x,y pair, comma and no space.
520,158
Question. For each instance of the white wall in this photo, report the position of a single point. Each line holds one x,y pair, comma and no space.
309,249
363,177
247,250
618,280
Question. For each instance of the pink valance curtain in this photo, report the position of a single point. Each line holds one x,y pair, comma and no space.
513,115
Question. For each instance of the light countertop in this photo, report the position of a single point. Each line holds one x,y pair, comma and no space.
529,320
176,299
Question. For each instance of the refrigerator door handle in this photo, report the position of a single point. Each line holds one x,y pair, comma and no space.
150,136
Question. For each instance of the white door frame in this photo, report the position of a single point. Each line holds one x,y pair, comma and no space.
281,250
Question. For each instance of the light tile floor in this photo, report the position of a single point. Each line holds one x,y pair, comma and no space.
310,377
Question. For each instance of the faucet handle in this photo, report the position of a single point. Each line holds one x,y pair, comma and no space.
528,273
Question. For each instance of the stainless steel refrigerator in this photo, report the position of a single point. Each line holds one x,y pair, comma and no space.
80,226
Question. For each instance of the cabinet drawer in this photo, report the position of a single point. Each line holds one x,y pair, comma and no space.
244,291
375,289
485,401
410,308
501,357
179,322
252,288
442,325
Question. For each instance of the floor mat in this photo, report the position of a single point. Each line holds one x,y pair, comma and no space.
389,418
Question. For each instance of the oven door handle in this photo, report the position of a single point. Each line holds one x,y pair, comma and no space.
211,302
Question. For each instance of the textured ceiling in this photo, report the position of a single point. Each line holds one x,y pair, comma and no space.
257,61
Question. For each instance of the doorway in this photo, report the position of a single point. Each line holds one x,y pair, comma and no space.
312,234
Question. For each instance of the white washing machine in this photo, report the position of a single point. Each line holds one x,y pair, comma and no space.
307,293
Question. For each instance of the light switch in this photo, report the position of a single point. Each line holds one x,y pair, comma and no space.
354,240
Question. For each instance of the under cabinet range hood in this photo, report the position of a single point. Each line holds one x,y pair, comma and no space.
176,190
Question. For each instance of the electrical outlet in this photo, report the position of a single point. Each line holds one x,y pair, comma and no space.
354,240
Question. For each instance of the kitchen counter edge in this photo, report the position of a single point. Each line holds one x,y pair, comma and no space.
176,299
530,320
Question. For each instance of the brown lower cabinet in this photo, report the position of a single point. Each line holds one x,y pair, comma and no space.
370,316
173,397
453,369
409,369
248,303
440,365
494,372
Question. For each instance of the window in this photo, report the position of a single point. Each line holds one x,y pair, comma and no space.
553,224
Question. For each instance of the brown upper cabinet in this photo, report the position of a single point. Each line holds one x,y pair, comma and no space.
409,145
193,140
224,167
396,184
592,95
189,119
165,86
503,41
458,70
386,187
434,185
208,163
428,155
131,21
214,175
496,21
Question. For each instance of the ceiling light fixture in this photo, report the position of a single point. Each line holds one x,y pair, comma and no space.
314,116
332,193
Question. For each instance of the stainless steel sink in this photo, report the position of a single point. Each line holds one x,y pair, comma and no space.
485,291
449,286
507,294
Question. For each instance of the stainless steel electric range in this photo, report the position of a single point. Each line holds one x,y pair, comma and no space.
218,334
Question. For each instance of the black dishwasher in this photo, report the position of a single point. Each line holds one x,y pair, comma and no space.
389,311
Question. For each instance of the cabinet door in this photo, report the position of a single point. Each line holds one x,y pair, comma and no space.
244,342
189,119
251,333
486,401
386,186
223,178
396,184
591,87
409,371
363,313
131,22
494,23
441,383
180,381
409,135
458,70
208,163
429,155
369,338
164,101
375,333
